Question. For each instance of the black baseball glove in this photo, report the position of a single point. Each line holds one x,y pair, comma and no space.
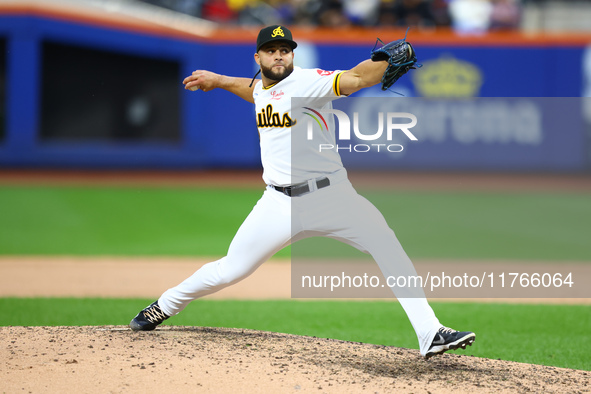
400,56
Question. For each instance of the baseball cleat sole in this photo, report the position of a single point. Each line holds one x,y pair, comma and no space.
463,342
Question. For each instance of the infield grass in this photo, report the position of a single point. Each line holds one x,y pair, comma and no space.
556,335
126,221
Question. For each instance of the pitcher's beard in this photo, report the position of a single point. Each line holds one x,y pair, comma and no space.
268,72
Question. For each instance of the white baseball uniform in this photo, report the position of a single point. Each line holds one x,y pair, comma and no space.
278,220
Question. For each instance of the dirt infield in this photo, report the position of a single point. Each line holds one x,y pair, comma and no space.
218,360
148,277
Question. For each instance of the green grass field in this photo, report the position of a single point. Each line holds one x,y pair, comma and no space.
126,221
201,222
555,335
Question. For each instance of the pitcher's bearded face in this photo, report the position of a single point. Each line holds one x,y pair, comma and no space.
277,72
276,61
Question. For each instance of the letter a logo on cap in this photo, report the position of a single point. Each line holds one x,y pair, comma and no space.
278,32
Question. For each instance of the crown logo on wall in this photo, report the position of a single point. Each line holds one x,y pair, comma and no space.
448,77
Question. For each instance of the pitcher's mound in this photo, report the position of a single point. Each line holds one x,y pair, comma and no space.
221,360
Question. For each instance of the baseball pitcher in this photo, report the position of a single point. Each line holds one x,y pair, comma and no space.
299,200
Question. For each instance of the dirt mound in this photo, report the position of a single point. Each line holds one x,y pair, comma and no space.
220,360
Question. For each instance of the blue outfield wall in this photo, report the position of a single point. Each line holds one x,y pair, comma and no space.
217,129
504,133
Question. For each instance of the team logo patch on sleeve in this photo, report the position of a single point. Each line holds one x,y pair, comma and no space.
324,72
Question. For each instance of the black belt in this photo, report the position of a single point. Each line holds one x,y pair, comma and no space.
301,188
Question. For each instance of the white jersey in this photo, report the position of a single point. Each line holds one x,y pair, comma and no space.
275,120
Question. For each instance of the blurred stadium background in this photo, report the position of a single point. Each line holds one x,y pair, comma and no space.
96,84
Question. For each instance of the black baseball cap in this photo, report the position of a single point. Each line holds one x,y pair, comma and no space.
275,33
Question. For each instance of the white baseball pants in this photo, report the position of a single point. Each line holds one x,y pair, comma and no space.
278,220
